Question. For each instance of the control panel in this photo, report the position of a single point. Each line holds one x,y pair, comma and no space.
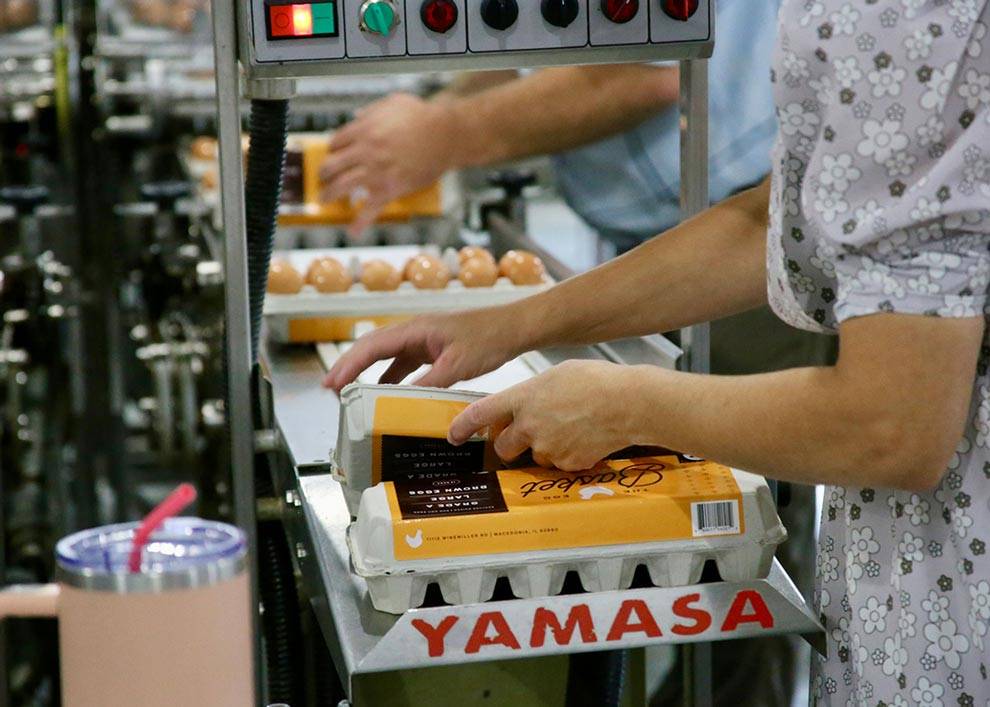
291,37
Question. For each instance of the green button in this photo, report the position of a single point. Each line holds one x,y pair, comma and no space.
324,25
322,9
379,17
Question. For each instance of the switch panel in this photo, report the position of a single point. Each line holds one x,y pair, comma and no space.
375,28
619,22
293,38
424,41
529,31
664,28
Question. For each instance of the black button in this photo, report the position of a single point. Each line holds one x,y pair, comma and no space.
560,13
499,14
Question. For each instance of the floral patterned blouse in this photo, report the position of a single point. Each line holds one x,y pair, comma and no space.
880,198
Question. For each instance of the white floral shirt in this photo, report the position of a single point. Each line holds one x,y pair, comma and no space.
880,198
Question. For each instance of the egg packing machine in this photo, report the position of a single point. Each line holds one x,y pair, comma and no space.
284,421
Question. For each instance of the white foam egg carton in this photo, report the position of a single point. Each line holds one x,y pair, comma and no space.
359,305
414,435
397,585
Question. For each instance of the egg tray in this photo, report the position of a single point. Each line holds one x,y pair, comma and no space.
340,314
395,586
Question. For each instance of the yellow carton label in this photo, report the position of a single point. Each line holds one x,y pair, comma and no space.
409,437
620,501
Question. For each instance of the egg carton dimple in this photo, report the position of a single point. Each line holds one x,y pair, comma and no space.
395,594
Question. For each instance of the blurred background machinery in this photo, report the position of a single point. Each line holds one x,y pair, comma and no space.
111,286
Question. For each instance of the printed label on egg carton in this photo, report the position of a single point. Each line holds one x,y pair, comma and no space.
389,432
312,316
532,526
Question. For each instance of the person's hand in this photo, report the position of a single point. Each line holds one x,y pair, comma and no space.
392,148
460,346
571,417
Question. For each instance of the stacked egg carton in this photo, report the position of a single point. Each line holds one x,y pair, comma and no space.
411,527
324,295
396,585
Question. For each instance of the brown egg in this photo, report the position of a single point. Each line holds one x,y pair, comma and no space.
427,272
203,148
379,276
156,12
21,13
478,272
182,18
283,279
470,251
329,275
522,267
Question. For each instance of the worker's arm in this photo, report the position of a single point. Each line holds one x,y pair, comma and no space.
404,143
708,267
888,415
468,83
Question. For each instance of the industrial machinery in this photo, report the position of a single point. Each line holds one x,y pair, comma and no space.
283,424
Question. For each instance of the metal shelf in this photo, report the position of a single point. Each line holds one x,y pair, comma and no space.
363,640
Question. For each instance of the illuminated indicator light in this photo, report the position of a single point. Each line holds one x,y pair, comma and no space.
280,20
620,11
680,9
302,20
439,15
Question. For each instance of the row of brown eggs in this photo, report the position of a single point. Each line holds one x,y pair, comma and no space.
426,272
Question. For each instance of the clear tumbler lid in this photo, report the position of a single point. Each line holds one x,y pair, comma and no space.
182,553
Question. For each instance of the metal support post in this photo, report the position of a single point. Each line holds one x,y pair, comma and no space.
237,321
694,180
696,340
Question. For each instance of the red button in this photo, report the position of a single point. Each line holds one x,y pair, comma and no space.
680,9
620,11
439,15
280,17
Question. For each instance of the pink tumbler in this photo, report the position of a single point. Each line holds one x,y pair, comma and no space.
177,632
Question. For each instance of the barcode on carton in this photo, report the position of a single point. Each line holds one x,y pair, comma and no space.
714,518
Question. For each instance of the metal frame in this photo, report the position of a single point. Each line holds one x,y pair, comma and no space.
237,321
363,640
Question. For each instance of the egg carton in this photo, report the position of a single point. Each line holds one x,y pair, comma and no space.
396,585
387,431
311,316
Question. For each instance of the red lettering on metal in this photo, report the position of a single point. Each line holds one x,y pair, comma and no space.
737,612
479,635
435,634
621,626
701,618
578,618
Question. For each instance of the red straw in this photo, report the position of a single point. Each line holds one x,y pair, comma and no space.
173,505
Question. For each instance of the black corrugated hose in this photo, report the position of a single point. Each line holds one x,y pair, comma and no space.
280,621
596,679
276,584
262,193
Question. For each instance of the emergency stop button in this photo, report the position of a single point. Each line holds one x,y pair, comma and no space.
379,17
620,11
680,9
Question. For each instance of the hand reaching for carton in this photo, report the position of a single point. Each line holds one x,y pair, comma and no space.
392,148
459,347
